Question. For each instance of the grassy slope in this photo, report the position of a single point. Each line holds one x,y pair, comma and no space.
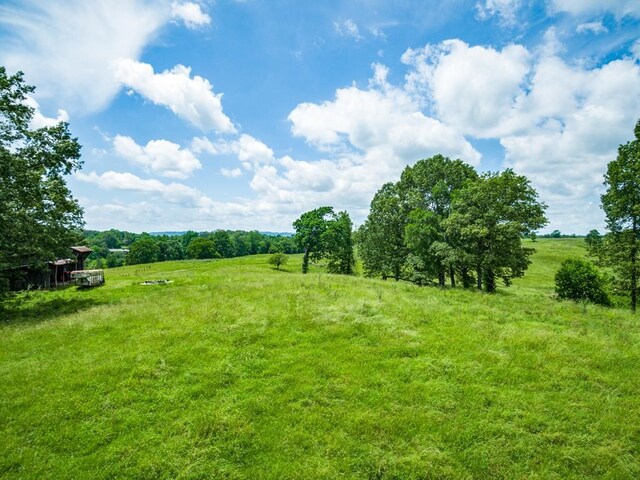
236,370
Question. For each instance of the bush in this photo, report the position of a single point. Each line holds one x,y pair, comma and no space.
579,280
278,259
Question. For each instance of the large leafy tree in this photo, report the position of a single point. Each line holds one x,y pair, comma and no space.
490,217
429,188
621,205
143,250
381,242
338,239
322,233
310,229
39,219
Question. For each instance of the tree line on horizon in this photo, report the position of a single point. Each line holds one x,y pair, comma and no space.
147,248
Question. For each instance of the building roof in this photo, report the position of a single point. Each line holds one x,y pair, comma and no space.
63,261
81,249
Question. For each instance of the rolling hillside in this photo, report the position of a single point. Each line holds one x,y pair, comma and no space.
236,370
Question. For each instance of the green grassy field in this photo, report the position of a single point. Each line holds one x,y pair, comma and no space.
236,370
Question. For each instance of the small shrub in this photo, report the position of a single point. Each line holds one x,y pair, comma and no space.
580,281
278,259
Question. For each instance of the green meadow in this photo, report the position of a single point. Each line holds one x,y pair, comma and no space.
235,370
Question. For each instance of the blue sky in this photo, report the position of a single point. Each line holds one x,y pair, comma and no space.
244,114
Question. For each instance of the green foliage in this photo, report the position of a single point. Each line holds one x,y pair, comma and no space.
322,233
277,260
237,371
175,246
143,250
593,241
580,281
202,248
621,205
39,219
338,241
441,220
222,243
380,239
490,216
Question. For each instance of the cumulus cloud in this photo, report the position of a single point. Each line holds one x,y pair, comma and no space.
472,88
249,150
159,156
348,28
189,98
66,47
190,13
174,193
593,27
380,118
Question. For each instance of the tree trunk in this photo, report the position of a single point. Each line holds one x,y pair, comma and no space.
479,277
489,281
634,274
452,274
305,261
466,280
441,277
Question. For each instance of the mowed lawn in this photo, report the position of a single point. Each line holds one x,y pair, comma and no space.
236,370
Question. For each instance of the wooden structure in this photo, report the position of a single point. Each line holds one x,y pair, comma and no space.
88,278
81,253
60,271
50,274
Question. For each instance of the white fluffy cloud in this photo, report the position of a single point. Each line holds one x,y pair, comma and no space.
159,156
65,47
472,88
190,98
619,8
380,118
190,13
250,151
174,193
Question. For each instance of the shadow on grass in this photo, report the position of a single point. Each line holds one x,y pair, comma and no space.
21,309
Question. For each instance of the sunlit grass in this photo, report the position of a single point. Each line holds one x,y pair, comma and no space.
236,370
